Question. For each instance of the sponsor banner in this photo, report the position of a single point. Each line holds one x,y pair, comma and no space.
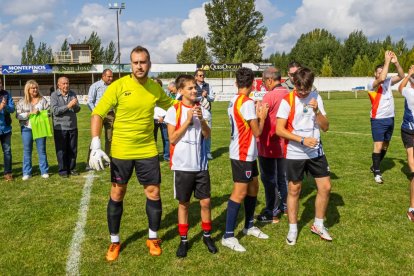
125,68
26,69
219,66
77,68
258,90
258,67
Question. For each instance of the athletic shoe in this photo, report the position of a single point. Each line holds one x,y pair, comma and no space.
209,156
8,177
45,175
378,179
74,173
256,232
25,177
113,251
154,247
182,249
410,215
291,237
233,244
321,232
208,241
267,219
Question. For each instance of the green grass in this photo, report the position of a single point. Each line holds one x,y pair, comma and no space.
371,232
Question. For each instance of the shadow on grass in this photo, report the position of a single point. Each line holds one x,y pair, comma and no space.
219,152
332,213
387,164
193,216
405,169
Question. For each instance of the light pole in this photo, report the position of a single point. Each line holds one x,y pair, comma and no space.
118,8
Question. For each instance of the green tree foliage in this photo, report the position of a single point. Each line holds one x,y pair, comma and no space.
235,32
194,51
29,52
362,67
44,54
65,46
96,46
109,53
326,70
312,47
356,44
280,61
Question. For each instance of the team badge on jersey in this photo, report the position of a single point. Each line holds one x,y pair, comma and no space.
248,174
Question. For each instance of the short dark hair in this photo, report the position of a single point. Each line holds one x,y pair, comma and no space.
303,79
198,70
106,70
294,64
157,80
182,79
379,66
244,77
139,49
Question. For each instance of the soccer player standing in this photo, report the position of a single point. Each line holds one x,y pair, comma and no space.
188,130
407,131
133,98
300,117
246,125
382,111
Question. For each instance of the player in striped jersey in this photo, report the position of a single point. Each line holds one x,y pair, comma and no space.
246,124
188,130
382,111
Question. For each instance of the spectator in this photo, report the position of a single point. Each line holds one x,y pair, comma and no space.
205,96
6,108
270,147
64,105
159,123
32,103
172,90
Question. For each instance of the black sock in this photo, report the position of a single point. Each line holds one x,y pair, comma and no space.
114,214
249,207
383,153
231,218
154,212
376,160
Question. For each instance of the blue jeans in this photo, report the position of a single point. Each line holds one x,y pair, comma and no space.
164,136
27,138
7,155
273,176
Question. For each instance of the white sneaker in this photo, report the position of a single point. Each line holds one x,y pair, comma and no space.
233,244
25,177
45,175
209,156
256,232
321,232
378,179
291,238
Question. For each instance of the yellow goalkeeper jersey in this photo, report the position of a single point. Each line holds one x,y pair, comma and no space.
133,103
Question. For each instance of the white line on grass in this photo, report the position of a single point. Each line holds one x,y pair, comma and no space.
72,265
351,133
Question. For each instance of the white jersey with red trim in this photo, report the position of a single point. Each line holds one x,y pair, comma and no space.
382,100
243,145
302,122
189,154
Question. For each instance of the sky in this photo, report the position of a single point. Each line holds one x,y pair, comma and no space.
163,25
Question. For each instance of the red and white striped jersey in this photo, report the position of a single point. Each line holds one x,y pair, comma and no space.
243,144
382,100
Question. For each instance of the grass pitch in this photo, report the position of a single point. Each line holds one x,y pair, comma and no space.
371,232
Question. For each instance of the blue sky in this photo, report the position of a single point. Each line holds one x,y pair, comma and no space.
163,25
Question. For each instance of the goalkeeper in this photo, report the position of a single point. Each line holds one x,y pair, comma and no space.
133,98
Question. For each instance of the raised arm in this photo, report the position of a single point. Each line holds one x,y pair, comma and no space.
406,79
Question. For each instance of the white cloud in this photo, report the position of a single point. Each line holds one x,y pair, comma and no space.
376,18
268,10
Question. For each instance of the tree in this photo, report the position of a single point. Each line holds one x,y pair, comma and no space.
29,52
235,28
109,53
362,67
97,50
194,51
44,54
280,61
65,46
312,47
356,44
326,70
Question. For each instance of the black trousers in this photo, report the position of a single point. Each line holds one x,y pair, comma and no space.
66,145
